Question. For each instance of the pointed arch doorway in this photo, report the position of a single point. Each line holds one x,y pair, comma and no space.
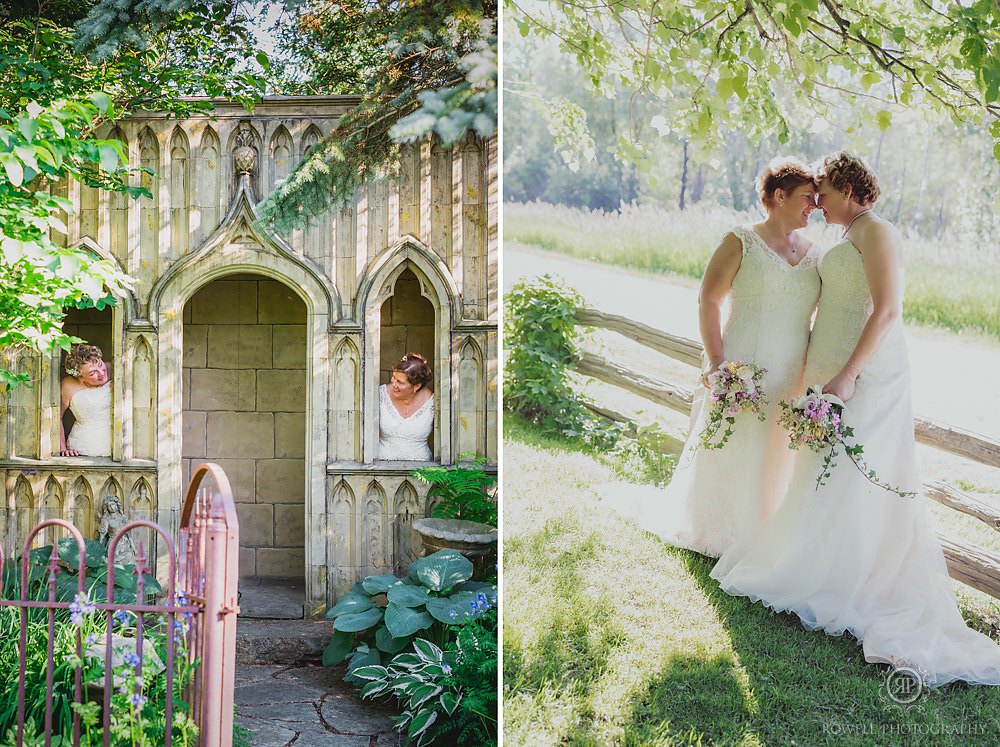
244,394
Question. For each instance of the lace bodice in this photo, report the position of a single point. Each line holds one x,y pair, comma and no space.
771,305
91,433
402,438
844,309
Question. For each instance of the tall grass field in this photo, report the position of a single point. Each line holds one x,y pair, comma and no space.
948,285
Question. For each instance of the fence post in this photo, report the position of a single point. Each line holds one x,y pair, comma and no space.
218,671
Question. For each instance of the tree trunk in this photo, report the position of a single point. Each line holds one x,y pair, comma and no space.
684,175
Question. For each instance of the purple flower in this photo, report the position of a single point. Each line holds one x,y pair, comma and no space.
132,659
138,701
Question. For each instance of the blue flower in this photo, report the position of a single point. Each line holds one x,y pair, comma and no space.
80,607
132,659
121,617
446,668
453,614
91,639
138,701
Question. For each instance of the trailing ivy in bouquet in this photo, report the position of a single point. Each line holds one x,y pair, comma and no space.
734,387
816,421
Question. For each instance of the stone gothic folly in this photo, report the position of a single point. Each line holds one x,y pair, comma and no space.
264,353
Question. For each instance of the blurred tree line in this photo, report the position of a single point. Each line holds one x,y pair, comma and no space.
571,140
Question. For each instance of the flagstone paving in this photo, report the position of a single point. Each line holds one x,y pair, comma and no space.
308,705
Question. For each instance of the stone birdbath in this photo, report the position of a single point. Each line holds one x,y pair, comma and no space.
474,540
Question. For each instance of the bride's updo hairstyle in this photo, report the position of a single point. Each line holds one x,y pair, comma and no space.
842,170
414,365
80,355
785,174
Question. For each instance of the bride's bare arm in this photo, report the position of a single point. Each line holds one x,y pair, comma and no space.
715,287
65,395
879,245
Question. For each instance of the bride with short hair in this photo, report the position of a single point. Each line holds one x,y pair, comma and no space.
86,392
849,555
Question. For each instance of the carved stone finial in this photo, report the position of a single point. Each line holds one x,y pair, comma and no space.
245,154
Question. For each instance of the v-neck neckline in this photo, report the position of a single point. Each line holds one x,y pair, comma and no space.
400,415
774,253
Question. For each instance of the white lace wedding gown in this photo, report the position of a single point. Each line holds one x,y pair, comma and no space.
716,496
91,433
402,438
851,556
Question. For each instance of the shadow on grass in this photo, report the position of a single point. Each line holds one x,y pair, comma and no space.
581,631
813,688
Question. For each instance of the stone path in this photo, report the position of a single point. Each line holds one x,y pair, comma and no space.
308,705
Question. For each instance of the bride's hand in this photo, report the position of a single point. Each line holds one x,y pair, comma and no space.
713,367
842,385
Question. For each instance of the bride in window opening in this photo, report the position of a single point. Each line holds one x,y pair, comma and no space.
86,392
406,411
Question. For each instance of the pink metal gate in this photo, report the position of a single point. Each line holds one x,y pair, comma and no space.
198,615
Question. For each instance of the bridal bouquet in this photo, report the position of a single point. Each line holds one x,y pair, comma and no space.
734,387
815,420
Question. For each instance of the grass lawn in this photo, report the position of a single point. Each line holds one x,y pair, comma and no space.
612,637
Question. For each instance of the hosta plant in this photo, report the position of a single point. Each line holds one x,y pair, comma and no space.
421,681
384,614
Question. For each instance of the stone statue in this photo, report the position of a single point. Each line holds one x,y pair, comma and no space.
113,519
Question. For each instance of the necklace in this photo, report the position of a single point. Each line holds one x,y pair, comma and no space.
848,226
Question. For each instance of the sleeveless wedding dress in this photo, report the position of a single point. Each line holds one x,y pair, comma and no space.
402,438
850,556
91,433
716,496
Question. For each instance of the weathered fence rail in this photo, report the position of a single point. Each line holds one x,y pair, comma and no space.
195,614
969,564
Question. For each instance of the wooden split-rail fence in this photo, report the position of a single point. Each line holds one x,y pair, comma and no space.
972,565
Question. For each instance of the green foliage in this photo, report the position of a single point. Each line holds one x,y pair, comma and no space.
710,64
646,457
410,48
38,278
541,342
463,492
135,722
391,612
420,681
447,696
453,111
475,673
68,575
52,100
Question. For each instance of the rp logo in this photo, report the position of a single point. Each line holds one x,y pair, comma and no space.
904,685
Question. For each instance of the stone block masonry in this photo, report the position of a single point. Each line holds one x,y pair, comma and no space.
245,364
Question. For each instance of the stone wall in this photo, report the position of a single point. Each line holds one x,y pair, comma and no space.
244,408
407,325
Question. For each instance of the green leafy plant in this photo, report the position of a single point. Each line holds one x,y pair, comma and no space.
421,682
541,342
464,492
646,457
447,695
67,579
384,614
474,652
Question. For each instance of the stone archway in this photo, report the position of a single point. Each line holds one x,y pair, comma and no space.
244,394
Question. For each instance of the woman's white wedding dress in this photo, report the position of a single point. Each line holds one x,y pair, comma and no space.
91,433
717,496
402,438
850,556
